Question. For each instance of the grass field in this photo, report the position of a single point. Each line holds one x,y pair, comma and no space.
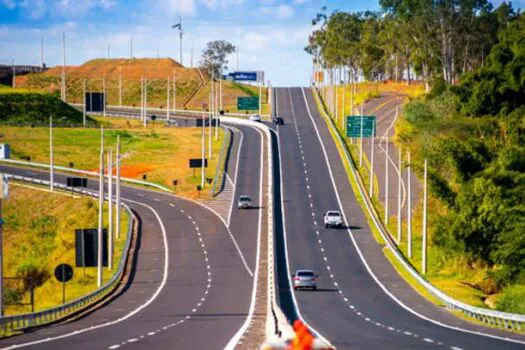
39,234
159,153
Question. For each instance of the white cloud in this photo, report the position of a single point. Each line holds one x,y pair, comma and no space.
279,11
10,4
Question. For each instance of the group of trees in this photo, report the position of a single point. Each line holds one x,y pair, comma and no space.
474,134
432,39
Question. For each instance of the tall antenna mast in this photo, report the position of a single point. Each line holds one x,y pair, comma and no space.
181,34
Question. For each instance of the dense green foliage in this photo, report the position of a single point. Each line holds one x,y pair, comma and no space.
436,40
474,137
24,108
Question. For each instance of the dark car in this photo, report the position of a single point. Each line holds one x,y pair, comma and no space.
277,120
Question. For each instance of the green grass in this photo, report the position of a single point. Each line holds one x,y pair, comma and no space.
39,231
24,107
160,153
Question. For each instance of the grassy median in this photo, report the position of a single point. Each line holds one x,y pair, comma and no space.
157,153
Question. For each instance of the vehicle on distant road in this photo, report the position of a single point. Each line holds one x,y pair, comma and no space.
306,279
333,218
244,202
256,118
277,120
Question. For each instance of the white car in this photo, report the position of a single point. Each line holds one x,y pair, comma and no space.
255,118
333,218
244,202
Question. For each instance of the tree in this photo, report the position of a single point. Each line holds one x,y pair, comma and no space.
214,58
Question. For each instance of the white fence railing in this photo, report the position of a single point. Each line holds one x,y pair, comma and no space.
505,320
23,321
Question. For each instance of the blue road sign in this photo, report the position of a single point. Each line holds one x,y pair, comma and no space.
353,126
244,76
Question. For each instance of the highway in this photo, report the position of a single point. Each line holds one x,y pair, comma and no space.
192,279
357,305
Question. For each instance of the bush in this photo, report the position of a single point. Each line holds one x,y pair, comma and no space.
512,299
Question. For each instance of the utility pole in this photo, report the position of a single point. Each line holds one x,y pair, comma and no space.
343,75
399,183
191,57
425,198
361,141
109,52
238,59
120,86
181,34
142,98
131,48
203,150
371,191
100,211
387,165
110,209
42,52
174,93
117,214
2,246
51,166
260,92
212,110
84,106
14,73
409,209
63,96
104,94
168,100
145,101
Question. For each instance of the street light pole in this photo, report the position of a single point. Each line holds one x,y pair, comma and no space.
424,245
387,165
110,209
399,212
117,215
361,141
371,191
168,100
409,209
84,106
51,159
100,210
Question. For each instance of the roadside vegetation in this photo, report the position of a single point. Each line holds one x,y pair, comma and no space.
25,107
469,126
39,234
157,153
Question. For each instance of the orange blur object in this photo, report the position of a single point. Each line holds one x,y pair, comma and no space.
303,339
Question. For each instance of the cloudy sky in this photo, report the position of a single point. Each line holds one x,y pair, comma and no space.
270,34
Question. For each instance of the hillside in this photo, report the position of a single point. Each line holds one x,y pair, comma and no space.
192,88
156,70
19,106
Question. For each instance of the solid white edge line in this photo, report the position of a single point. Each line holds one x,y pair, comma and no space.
234,198
393,297
123,318
233,341
296,305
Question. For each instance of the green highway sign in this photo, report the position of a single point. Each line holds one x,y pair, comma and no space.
353,126
248,103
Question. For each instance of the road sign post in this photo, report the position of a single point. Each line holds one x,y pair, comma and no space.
63,273
247,103
353,126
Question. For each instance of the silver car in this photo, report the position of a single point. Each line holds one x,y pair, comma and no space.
255,118
244,202
304,279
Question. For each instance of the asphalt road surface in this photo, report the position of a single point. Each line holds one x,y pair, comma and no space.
199,286
350,308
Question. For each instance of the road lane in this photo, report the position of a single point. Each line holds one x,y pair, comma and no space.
207,292
351,310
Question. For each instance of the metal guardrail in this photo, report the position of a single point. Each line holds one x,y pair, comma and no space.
504,320
23,321
84,172
177,112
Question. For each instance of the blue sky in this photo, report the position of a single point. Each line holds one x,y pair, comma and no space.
270,34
